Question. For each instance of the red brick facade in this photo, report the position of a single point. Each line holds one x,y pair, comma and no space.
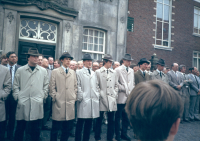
140,41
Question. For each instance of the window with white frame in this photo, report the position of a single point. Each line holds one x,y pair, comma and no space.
196,21
197,0
163,23
94,43
196,59
31,29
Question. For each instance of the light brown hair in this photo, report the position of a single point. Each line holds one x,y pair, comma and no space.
3,57
152,108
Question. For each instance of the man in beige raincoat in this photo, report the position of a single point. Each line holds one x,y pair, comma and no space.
108,85
29,90
5,88
63,90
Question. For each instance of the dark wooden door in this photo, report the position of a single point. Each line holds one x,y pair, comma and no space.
45,50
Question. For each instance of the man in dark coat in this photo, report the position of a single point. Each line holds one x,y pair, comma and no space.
141,75
11,104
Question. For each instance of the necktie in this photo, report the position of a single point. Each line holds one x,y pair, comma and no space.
11,71
184,76
144,73
127,69
197,82
160,74
89,71
66,71
107,71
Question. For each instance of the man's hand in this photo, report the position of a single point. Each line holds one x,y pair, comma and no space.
199,92
179,87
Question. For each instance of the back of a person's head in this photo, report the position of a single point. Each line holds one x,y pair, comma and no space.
153,107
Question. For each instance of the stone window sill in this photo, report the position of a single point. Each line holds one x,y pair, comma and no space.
195,34
163,47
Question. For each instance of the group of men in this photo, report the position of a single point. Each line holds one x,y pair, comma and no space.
70,91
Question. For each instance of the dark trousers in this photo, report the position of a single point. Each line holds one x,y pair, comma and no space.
125,121
110,126
87,123
11,106
2,130
66,126
35,129
47,110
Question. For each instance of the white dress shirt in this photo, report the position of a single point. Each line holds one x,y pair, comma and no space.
13,71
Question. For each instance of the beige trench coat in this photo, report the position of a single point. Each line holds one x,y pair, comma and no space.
30,89
88,94
126,83
63,90
156,75
108,89
5,88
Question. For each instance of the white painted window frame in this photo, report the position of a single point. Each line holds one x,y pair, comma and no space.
169,34
198,27
40,40
90,51
198,59
197,1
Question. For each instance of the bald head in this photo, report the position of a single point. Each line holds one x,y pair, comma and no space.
95,66
116,65
45,63
175,67
73,65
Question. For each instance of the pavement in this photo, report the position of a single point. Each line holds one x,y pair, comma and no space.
187,132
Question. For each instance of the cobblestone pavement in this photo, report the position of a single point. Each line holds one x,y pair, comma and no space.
187,132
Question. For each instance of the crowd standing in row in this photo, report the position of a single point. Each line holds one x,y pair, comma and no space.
81,92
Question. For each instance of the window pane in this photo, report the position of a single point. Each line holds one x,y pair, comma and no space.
159,11
29,29
195,55
47,31
91,32
160,1
165,43
85,46
198,65
91,39
90,46
85,39
166,2
101,48
96,40
101,41
195,11
85,32
95,47
198,22
158,42
195,62
195,20
165,31
99,57
96,33
166,13
159,30
101,34
95,56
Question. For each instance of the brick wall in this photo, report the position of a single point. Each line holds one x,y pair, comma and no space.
140,41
